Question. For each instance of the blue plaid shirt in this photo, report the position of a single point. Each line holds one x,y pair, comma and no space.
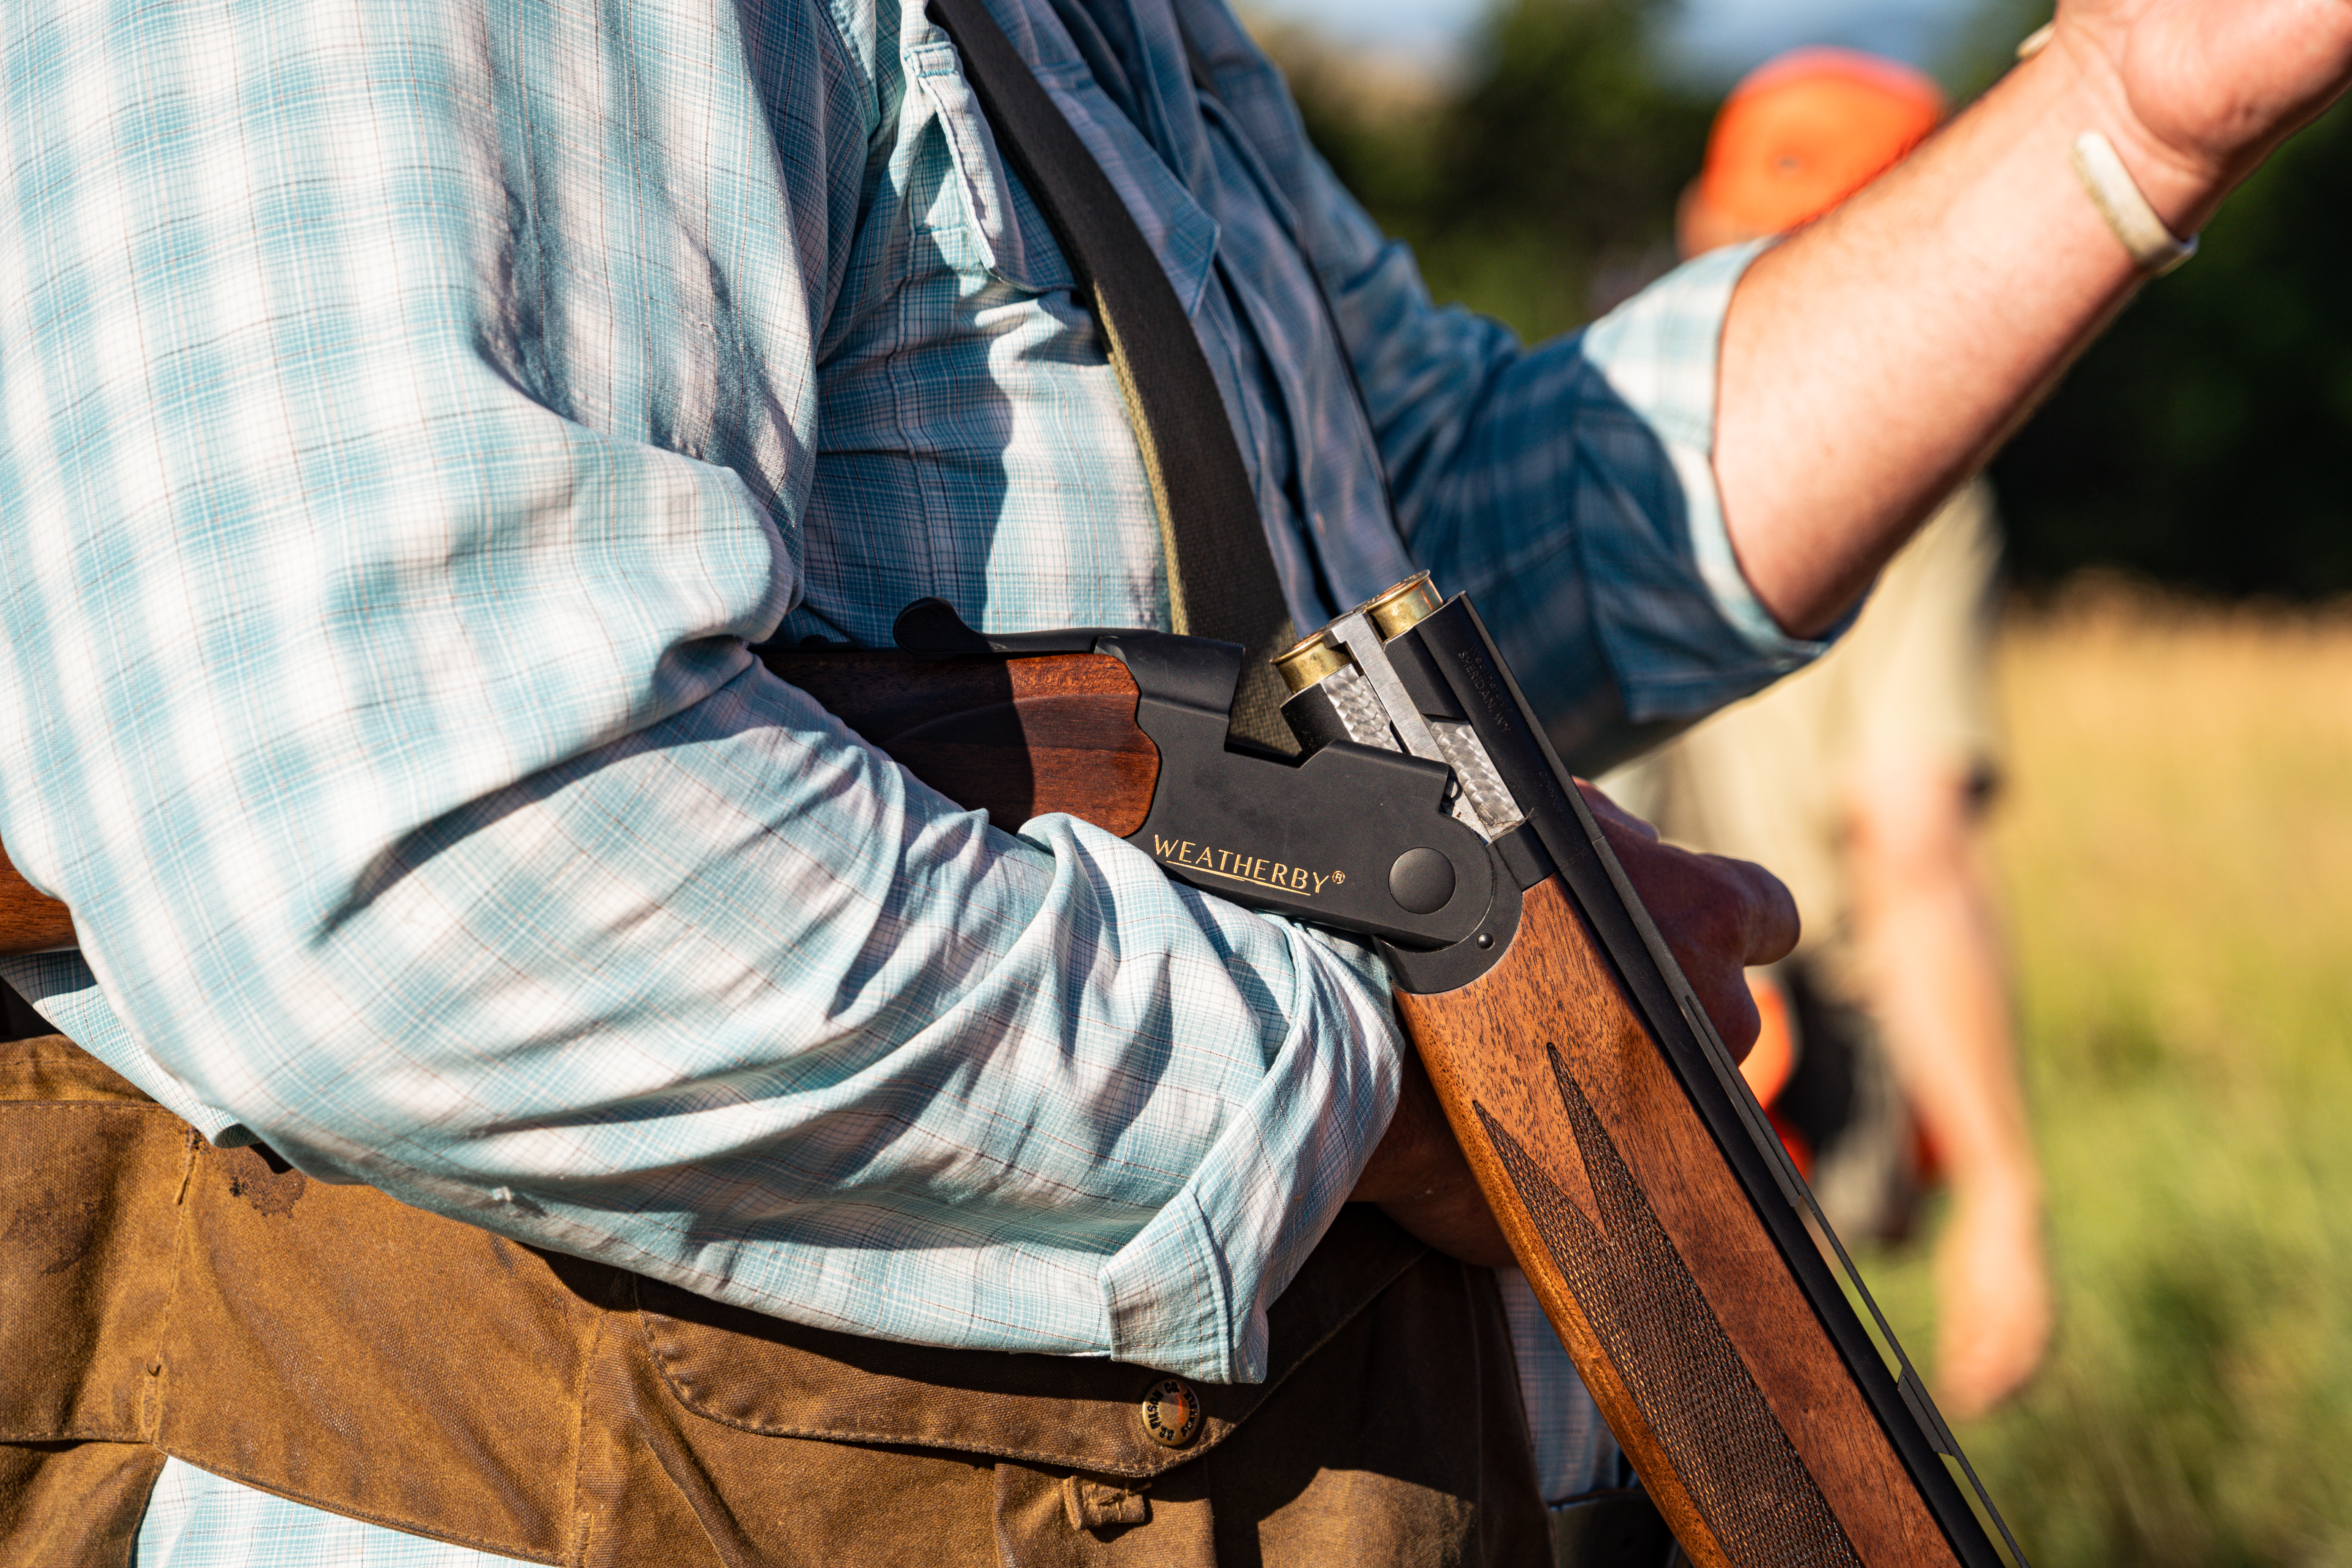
409,411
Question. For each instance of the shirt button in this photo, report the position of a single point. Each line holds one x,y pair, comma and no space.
1171,1411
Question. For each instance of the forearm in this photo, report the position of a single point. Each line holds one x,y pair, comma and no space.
1927,936
1877,358
1925,922
736,1003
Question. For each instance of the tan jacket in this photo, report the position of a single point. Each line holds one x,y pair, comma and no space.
158,1295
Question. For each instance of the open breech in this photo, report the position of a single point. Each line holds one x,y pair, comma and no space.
1717,1321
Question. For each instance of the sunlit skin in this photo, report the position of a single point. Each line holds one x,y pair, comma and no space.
1877,358
1924,926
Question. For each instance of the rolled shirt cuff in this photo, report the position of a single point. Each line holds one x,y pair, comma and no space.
1661,352
1190,1292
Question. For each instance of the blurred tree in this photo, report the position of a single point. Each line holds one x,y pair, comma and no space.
1542,183
2198,442
2195,444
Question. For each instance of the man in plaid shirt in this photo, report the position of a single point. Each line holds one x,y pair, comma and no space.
413,409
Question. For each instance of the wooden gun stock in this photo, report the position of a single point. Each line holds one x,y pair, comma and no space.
1692,1333
1746,1421
30,921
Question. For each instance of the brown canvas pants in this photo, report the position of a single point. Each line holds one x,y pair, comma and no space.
159,1296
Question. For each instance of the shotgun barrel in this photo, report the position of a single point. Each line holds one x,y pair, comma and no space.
1716,1320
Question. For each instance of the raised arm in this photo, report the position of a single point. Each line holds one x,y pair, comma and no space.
1880,355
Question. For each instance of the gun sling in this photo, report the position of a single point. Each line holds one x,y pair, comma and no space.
1222,582
1673,1247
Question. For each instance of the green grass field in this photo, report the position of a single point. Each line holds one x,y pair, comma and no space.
2175,847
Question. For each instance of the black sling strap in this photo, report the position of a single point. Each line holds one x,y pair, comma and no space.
1222,581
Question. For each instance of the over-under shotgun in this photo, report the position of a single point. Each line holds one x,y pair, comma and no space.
1712,1312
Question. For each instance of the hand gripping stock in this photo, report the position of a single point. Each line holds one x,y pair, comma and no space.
1711,1310
1714,1315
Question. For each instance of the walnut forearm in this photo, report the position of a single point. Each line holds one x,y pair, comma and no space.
1019,737
1694,1338
28,921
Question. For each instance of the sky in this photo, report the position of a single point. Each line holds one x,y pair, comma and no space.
1725,37
1715,38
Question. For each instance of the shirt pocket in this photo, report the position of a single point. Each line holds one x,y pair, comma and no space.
1005,226
1010,237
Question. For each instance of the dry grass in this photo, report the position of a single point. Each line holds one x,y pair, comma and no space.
2175,849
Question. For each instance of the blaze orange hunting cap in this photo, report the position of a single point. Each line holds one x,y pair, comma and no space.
1805,130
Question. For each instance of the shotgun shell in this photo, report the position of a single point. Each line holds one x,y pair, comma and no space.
1317,657
1312,660
1396,611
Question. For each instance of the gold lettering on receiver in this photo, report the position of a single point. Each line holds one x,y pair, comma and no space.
1235,866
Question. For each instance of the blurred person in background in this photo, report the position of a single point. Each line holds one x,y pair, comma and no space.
1862,781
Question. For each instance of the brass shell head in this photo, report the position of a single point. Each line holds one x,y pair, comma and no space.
1317,656
1313,658
1412,601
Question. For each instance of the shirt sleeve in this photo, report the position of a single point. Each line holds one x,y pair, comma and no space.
1569,487
408,410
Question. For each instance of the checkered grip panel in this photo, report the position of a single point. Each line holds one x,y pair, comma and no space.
1673,1357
